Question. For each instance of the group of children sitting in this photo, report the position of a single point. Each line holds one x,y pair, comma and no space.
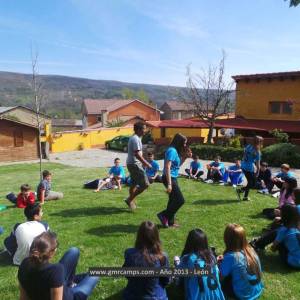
116,176
27,197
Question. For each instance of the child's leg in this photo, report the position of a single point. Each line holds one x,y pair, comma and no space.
70,261
54,196
187,171
12,198
266,239
85,285
226,176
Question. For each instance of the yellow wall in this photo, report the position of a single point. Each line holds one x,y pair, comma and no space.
253,98
189,132
71,140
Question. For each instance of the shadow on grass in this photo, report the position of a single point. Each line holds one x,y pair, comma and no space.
113,230
90,211
117,296
273,264
215,202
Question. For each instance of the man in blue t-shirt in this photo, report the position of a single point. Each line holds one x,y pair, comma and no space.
215,171
234,173
117,172
195,171
152,173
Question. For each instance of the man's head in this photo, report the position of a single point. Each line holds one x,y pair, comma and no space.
25,189
117,161
285,168
150,156
264,166
47,175
238,163
196,158
33,212
139,128
217,159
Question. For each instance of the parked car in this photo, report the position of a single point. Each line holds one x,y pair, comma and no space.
118,143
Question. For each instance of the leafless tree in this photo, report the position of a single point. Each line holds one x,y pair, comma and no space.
37,99
209,94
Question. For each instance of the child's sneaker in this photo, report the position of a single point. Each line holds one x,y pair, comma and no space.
208,181
176,261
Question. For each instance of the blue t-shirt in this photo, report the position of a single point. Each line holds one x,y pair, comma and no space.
251,155
117,171
150,172
234,168
243,283
172,155
218,165
211,284
196,165
283,175
291,239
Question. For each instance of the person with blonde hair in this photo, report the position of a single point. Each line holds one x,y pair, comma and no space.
240,267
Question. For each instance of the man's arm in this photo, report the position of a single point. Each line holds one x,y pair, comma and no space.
139,156
57,293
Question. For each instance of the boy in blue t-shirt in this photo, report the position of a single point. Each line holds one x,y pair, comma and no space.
195,171
152,173
215,171
284,173
234,173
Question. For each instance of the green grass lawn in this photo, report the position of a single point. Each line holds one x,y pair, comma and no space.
101,226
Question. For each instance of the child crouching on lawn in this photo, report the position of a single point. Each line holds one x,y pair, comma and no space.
286,197
264,182
215,171
44,192
24,198
195,171
235,174
239,266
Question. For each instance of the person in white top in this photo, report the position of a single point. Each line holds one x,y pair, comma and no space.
18,243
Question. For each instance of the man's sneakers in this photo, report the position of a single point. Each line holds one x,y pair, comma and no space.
131,204
163,220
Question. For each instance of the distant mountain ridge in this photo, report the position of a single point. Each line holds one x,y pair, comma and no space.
64,94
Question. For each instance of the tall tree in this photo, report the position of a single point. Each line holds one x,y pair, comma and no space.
209,94
37,99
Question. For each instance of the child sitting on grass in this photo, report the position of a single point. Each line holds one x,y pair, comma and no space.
234,173
286,197
24,198
239,266
264,182
44,192
195,171
107,183
287,238
147,252
280,177
197,254
215,171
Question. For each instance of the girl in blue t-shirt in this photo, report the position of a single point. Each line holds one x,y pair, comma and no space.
197,255
287,240
251,159
240,266
175,156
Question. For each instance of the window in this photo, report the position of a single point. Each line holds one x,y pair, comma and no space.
18,138
280,108
99,118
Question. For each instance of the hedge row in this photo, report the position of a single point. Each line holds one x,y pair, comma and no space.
275,155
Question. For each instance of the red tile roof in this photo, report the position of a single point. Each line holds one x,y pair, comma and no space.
96,106
278,75
259,125
177,124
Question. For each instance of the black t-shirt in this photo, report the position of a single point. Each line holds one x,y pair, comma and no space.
38,282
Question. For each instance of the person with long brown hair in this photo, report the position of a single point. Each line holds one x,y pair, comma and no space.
147,252
240,266
252,156
175,156
41,280
197,254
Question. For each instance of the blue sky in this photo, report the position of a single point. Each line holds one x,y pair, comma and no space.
148,41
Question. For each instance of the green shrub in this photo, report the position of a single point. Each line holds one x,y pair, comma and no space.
209,152
235,141
278,154
280,136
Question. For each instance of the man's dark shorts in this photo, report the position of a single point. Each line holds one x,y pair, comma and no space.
138,176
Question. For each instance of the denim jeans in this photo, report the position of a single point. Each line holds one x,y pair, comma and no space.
12,198
85,283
